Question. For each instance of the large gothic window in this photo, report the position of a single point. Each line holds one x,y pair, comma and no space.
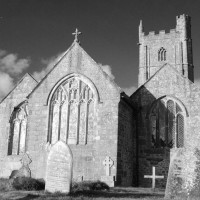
162,54
167,124
18,128
71,113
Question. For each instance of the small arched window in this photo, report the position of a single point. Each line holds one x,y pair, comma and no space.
18,128
162,54
167,124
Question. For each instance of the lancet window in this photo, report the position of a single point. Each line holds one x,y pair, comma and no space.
71,113
162,54
18,129
167,124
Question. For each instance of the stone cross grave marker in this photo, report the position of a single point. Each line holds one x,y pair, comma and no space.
153,177
25,160
59,168
108,163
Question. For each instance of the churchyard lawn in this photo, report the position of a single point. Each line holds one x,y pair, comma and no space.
116,193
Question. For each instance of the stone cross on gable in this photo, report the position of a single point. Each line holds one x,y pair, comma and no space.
153,177
76,33
108,163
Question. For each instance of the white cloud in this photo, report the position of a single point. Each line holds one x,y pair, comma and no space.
129,91
108,70
50,62
11,64
6,84
10,67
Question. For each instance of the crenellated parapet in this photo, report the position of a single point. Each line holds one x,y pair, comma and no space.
173,47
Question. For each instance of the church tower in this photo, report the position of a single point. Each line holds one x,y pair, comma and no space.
174,48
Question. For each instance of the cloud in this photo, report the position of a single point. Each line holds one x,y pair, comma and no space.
11,64
50,62
6,84
129,90
10,67
108,70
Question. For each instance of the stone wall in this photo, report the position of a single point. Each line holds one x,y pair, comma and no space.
166,83
126,156
88,158
13,99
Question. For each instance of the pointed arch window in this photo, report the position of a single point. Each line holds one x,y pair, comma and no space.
71,113
162,54
167,124
18,129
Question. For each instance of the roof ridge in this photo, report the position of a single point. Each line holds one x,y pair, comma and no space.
166,64
15,86
54,66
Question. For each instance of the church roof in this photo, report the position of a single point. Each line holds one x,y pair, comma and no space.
149,80
54,66
27,75
74,44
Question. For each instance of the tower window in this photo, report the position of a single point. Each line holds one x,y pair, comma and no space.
162,54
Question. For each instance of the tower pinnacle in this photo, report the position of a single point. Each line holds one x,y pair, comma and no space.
140,27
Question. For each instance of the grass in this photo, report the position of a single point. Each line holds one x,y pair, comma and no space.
112,194
80,191
86,190
27,183
5,185
86,186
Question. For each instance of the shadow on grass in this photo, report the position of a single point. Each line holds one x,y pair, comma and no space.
105,194
114,194
28,197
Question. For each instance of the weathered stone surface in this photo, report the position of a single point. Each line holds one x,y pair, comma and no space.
91,117
109,180
59,168
24,170
184,174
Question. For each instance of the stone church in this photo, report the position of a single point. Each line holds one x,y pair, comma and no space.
78,103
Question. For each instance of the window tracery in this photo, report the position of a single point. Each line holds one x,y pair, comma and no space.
167,124
18,129
71,113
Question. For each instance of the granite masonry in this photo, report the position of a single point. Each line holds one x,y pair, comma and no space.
112,137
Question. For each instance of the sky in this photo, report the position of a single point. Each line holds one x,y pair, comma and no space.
33,33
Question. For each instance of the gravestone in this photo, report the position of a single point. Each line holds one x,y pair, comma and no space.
175,174
184,174
59,168
24,171
42,159
108,179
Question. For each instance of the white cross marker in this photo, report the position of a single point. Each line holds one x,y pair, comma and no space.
108,163
153,177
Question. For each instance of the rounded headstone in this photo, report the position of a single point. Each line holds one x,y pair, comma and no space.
59,168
